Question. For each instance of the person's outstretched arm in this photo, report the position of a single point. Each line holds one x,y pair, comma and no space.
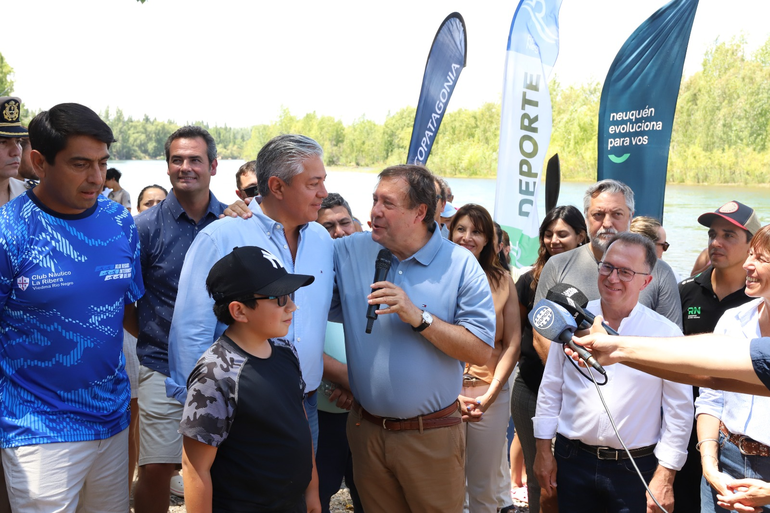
714,361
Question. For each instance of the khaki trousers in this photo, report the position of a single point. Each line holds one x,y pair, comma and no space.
408,471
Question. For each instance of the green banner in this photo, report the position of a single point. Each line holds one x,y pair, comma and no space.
523,247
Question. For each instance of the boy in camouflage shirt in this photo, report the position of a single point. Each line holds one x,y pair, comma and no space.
247,444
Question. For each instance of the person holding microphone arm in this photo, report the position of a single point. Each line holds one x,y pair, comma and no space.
698,360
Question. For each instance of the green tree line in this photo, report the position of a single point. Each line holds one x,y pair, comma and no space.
145,138
721,129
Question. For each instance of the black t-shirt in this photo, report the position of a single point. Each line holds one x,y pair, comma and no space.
251,410
701,308
530,366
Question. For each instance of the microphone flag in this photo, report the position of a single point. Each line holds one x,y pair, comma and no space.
636,110
445,62
525,123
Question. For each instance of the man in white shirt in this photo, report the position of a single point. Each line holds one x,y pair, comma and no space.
591,468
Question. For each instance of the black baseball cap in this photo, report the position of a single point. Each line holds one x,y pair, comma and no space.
251,270
736,213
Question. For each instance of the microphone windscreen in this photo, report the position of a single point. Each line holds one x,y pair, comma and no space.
552,321
383,259
570,291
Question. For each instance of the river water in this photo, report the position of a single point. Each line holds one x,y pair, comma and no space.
684,203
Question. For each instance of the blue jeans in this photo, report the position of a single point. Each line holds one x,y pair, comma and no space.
588,484
311,409
737,466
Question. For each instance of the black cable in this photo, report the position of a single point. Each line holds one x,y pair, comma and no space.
591,378
612,421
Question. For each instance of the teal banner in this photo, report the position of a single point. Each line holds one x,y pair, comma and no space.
636,112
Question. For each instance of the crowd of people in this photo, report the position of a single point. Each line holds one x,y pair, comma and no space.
250,347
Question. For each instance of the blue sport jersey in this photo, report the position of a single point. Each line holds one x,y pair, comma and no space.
64,281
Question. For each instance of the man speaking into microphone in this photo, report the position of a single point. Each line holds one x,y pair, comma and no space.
589,466
436,311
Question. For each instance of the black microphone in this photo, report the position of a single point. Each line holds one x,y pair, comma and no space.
555,323
570,291
572,304
381,268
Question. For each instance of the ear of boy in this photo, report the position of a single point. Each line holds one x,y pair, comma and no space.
242,332
237,311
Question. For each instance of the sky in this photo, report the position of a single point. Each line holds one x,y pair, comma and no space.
238,63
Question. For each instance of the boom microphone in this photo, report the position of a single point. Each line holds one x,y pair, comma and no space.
381,268
573,303
554,323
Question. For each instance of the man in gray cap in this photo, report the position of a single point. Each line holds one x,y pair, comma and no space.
705,298
11,133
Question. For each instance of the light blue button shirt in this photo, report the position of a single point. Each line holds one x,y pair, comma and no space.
194,327
395,371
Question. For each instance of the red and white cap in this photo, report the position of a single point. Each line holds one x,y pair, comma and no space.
735,212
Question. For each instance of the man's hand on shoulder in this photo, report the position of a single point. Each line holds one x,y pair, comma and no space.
238,209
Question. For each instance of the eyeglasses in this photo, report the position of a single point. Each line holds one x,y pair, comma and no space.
624,274
282,300
664,245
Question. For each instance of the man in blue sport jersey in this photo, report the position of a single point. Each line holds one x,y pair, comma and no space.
69,263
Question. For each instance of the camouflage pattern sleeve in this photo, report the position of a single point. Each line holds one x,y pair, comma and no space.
212,394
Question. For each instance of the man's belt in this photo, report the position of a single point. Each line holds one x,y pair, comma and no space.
437,419
745,444
608,453
473,381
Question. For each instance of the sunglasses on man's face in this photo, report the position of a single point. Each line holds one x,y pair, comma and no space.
250,192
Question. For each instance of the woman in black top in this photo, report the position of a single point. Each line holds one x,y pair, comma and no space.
563,229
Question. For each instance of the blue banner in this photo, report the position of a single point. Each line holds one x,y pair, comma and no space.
445,62
525,123
638,102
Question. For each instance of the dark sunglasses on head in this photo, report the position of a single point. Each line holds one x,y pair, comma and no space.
664,245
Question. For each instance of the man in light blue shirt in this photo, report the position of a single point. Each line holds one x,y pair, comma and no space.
291,182
435,313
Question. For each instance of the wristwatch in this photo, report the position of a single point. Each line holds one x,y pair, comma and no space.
427,320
